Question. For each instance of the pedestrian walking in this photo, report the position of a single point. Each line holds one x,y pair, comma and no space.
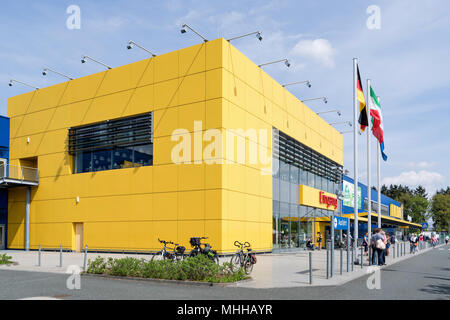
388,245
446,240
366,244
383,252
319,240
412,243
434,240
377,245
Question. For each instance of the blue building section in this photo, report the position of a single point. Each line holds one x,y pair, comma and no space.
4,155
347,208
385,201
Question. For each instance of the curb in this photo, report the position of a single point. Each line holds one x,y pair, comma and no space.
163,281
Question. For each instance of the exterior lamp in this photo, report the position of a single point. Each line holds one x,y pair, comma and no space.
44,73
337,111
307,82
11,82
342,122
83,60
183,30
321,98
351,131
286,62
257,33
131,44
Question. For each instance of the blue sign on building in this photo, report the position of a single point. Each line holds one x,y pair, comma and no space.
340,223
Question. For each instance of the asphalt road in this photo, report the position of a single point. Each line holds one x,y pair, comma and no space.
426,276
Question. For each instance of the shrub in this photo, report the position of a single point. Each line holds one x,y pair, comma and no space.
97,266
198,268
4,259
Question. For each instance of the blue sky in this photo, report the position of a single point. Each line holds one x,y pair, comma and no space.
407,59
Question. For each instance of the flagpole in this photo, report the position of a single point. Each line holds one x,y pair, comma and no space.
355,154
378,182
369,189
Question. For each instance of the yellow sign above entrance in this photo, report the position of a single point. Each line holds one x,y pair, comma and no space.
316,198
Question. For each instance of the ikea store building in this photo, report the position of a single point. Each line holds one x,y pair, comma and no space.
195,142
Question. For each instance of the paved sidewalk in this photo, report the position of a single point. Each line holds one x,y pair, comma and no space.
273,270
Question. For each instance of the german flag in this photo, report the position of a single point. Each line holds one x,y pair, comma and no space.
363,118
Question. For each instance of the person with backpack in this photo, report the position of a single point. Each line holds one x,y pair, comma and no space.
412,243
377,245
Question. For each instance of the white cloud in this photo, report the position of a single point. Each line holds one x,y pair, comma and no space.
431,181
319,50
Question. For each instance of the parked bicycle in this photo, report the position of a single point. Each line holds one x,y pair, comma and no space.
206,249
167,253
242,259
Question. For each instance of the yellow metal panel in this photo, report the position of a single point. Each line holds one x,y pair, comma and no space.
191,176
165,206
213,84
191,205
166,66
83,88
188,114
123,78
166,93
214,113
192,88
192,60
20,104
142,100
165,178
213,204
101,108
165,121
214,51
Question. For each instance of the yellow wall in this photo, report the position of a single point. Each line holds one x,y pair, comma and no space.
395,211
130,208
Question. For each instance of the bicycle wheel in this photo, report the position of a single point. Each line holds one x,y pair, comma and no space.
248,265
158,256
236,262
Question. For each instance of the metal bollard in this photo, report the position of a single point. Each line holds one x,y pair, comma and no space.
362,257
328,263
39,256
85,258
310,268
353,258
348,258
60,255
341,262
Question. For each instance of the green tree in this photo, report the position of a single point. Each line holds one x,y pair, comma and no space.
440,210
417,207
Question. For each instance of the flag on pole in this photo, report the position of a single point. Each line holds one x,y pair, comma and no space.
363,118
377,120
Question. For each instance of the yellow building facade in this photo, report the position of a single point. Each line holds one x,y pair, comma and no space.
210,95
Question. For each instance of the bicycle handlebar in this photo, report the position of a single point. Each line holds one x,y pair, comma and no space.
165,242
242,245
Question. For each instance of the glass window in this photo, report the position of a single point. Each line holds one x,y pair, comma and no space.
122,158
284,171
311,179
101,160
143,155
276,188
294,193
120,143
293,174
284,191
83,162
276,166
